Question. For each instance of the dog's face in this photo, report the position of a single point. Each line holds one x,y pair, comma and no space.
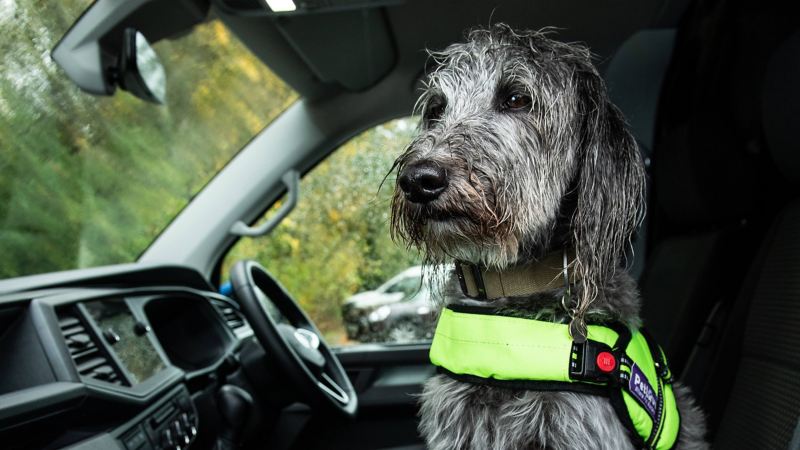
517,140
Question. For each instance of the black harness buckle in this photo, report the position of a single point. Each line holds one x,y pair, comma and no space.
593,361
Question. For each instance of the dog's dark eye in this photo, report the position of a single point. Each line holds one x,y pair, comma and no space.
517,101
434,111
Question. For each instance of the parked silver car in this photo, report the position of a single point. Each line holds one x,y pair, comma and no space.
399,310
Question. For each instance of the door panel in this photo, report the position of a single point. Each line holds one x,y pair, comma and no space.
388,379
387,376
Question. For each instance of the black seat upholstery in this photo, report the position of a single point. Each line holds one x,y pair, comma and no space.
705,186
764,401
681,274
724,251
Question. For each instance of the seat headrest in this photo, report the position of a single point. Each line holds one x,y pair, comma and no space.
781,108
702,176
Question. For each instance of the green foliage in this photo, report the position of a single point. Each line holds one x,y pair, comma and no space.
337,242
88,180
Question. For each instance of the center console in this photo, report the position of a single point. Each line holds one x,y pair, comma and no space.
169,424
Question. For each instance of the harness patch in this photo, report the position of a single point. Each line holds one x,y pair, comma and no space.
642,390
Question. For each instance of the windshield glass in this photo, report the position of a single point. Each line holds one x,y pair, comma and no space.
87,181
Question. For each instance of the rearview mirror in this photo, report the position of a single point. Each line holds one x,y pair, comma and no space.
140,70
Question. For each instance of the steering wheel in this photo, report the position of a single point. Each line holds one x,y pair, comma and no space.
291,339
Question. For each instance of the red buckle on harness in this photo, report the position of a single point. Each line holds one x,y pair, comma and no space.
606,362
592,361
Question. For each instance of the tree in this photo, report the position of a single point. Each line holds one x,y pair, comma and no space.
87,180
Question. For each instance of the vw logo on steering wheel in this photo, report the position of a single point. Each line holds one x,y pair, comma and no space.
306,338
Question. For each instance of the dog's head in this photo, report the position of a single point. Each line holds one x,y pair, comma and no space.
519,152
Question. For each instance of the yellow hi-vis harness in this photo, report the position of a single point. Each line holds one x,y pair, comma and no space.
477,345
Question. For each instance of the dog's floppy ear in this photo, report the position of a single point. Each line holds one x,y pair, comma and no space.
610,188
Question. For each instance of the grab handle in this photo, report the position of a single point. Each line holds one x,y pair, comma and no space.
292,181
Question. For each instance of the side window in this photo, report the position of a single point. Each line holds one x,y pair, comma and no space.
334,253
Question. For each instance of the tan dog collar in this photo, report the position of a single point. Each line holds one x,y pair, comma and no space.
517,281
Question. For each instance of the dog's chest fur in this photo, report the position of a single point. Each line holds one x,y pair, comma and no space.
457,415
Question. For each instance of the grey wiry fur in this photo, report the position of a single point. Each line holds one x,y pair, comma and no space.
457,415
558,169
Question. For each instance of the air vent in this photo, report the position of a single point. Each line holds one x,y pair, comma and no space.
90,360
233,317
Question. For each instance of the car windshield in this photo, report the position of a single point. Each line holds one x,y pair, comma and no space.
86,180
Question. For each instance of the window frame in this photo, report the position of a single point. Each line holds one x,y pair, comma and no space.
217,275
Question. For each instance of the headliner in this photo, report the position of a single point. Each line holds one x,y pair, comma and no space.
323,54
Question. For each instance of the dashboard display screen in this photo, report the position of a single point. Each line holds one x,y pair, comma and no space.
114,318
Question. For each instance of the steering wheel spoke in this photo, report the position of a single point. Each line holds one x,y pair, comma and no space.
330,387
291,340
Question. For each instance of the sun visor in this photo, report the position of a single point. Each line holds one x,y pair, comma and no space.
318,47
353,49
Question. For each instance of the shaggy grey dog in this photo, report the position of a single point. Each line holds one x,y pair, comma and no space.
520,153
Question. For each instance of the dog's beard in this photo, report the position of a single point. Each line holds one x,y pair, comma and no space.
463,224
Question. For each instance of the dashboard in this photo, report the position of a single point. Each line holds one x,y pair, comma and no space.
119,357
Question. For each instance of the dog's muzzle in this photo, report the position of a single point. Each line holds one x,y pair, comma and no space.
423,181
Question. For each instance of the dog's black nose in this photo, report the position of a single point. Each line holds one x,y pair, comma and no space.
422,182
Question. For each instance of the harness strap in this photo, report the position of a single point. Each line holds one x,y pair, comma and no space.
476,345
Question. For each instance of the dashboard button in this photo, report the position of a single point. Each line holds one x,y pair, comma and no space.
111,336
188,425
167,439
141,328
180,434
